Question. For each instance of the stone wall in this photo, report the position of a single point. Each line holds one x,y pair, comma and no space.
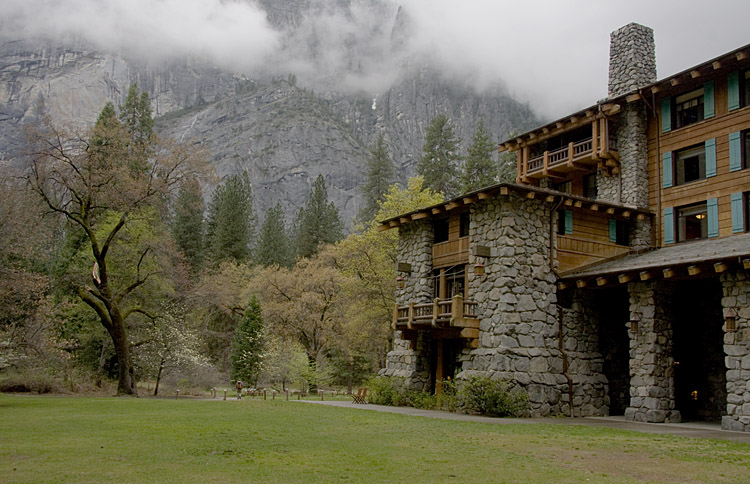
736,289
632,59
651,358
516,298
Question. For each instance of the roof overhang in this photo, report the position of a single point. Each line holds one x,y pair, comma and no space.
527,191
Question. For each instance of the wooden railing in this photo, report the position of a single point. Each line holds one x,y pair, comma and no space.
450,253
438,312
571,152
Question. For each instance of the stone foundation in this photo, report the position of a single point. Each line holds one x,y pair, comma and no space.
736,290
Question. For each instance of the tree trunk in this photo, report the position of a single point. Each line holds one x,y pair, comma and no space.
158,377
125,370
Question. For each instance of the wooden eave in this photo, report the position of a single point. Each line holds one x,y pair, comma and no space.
527,191
690,260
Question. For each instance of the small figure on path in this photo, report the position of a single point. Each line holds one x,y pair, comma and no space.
238,386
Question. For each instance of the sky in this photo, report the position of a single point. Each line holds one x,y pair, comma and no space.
552,54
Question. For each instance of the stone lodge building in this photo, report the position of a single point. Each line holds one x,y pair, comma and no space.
612,277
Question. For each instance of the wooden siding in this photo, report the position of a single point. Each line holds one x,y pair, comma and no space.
574,252
720,186
450,253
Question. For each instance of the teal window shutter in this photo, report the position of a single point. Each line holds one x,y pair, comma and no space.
612,230
733,88
710,157
568,222
713,217
667,170
666,115
668,226
735,152
738,216
708,100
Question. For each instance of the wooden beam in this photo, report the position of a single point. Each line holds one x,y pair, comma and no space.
532,136
601,281
716,65
393,223
437,210
720,267
594,207
559,125
404,220
469,200
746,263
504,190
580,283
646,275
589,113
674,81
741,55
694,270
530,195
611,211
633,98
578,204
655,89
568,202
451,205
550,198
562,285
419,215
484,195
573,119
623,278
641,216
383,227
668,273
626,213
695,74
545,130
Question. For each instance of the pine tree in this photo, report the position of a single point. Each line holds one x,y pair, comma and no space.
379,178
274,246
135,115
319,222
439,162
480,170
187,223
247,345
230,227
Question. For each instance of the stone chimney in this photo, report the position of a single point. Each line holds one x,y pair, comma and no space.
632,59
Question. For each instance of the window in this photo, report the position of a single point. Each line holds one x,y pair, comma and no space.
564,222
690,164
692,222
740,212
565,187
589,186
450,282
619,232
440,227
688,108
465,224
745,88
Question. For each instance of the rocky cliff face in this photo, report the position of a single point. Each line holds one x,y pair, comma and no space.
283,134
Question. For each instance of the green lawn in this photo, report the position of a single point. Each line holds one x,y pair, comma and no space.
127,440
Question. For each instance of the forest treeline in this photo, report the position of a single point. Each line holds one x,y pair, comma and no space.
114,269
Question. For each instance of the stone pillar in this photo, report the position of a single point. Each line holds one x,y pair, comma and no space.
632,59
651,359
736,301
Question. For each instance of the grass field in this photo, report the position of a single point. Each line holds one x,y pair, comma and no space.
128,440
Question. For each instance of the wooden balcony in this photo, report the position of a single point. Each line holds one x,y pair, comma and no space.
450,253
559,162
444,318
575,252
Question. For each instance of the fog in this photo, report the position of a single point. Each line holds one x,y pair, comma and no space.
551,54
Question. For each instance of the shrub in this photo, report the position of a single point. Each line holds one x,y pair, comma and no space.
423,400
385,391
496,398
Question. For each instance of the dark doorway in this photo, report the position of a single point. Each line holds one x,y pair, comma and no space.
700,383
444,359
613,307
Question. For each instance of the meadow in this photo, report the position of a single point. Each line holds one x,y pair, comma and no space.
56,439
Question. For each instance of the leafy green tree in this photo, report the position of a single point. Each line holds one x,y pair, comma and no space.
379,178
440,156
480,170
230,228
187,223
247,345
274,246
319,222
106,189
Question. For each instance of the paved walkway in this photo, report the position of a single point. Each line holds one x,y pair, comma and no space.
701,430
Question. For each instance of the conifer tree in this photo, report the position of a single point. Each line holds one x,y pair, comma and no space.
480,170
439,162
274,246
187,223
319,222
379,178
230,226
247,345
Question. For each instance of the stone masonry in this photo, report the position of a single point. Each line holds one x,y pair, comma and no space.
736,288
651,358
632,59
